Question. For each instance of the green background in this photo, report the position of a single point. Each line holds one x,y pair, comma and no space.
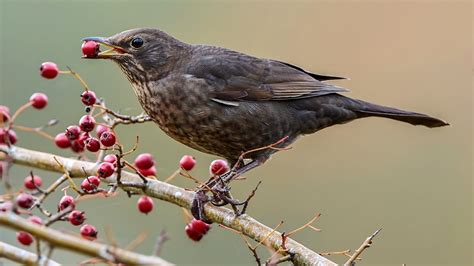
414,182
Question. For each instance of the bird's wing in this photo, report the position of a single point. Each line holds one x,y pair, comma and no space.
237,76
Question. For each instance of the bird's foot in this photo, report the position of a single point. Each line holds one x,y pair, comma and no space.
197,206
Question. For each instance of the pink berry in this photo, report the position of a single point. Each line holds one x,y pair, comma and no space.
62,141
25,200
24,238
90,49
35,219
88,98
218,167
77,146
87,123
145,204
49,70
196,229
65,202
88,232
144,161
92,144
187,162
39,100
32,183
7,135
101,129
6,206
105,170
73,132
148,172
76,217
108,139
110,158
4,114
90,184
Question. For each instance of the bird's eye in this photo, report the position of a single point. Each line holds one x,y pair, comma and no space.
136,42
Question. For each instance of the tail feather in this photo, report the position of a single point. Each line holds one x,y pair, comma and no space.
365,109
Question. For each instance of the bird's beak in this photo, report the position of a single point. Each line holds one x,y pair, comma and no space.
112,50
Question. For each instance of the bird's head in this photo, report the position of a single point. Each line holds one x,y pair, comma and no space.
141,53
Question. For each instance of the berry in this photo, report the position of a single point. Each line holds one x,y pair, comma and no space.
24,238
77,146
49,70
105,170
35,219
90,184
92,144
108,139
25,200
111,158
218,167
32,184
145,204
73,132
187,162
148,172
88,232
144,161
12,136
39,100
65,202
87,123
6,206
88,98
90,49
7,135
196,229
62,141
101,129
4,114
76,217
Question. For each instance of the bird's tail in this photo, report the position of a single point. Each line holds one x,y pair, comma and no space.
366,109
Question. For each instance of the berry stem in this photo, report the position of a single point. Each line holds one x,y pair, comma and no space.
76,76
19,111
34,130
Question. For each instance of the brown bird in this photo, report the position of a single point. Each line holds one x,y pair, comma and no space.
223,102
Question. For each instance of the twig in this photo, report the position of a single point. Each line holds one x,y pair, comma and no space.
160,240
366,244
22,256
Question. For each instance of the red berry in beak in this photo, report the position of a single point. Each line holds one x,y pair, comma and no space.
187,162
145,204
31,184
108,139
88,98
90,49
49,70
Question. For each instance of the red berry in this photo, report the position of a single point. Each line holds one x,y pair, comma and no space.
101,129
77,146
148,172
108,139
187,162
32,183
88,232
196,229
110,158
12,136
49,70
4,114
25,200
7,135
73,132
76,217
218,167
62,141
87,123
90,49
90,184
35,219
145,204
105,170
39,100
92,144
24,238
88,98
65,202
6,206
144,161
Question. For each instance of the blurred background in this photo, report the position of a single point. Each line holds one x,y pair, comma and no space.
414,182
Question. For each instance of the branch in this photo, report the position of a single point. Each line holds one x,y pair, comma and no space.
173,194
366,244
76,244
22,256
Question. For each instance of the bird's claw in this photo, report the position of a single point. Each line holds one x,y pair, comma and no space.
197,206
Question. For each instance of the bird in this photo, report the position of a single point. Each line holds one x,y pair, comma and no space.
223,102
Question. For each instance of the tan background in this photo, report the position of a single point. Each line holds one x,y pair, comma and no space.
414,182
